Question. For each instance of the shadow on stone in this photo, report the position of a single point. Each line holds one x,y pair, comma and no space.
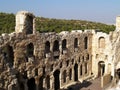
79,85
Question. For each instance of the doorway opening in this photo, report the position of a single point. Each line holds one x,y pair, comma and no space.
31,84
76,72
56,80
101,68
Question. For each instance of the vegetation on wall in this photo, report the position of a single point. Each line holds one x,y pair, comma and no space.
7,24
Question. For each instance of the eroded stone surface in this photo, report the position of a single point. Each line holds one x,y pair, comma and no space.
35,61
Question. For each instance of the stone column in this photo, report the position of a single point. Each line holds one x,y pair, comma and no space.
44,84
73,73
51,82
83,70
60,79
67,76
60,47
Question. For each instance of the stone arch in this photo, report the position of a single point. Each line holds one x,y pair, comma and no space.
56,49
76,43
70,74
101,68
30,50
56,80
64,44
76,72
31,84
86,42
64,76
47,47
56,45
101,42
8,54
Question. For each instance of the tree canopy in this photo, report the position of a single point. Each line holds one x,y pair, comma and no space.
7,24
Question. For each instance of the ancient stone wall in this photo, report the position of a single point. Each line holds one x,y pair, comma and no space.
30,60
102,54
33,64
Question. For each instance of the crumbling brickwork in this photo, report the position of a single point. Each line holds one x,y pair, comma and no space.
30,60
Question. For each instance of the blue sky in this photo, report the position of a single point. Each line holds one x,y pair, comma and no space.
93,10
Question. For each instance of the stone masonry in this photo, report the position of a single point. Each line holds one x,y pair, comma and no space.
30,60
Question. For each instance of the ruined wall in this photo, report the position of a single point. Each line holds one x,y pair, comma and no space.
43,60
30,60
43,64
102,60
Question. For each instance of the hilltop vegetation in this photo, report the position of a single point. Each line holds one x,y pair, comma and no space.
57,25
7,24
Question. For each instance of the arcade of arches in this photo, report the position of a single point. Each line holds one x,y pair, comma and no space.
57,80
51,61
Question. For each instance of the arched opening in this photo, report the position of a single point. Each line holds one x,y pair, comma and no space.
48,82
31,84
41,83
56,80
85,68
47,47
101,68
81,70
70,74
64,43
76,43
56,49
22,87
118,73
30,50
29,24
9,55
85,42
56,46
76,72
102,42
64,76
64,46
